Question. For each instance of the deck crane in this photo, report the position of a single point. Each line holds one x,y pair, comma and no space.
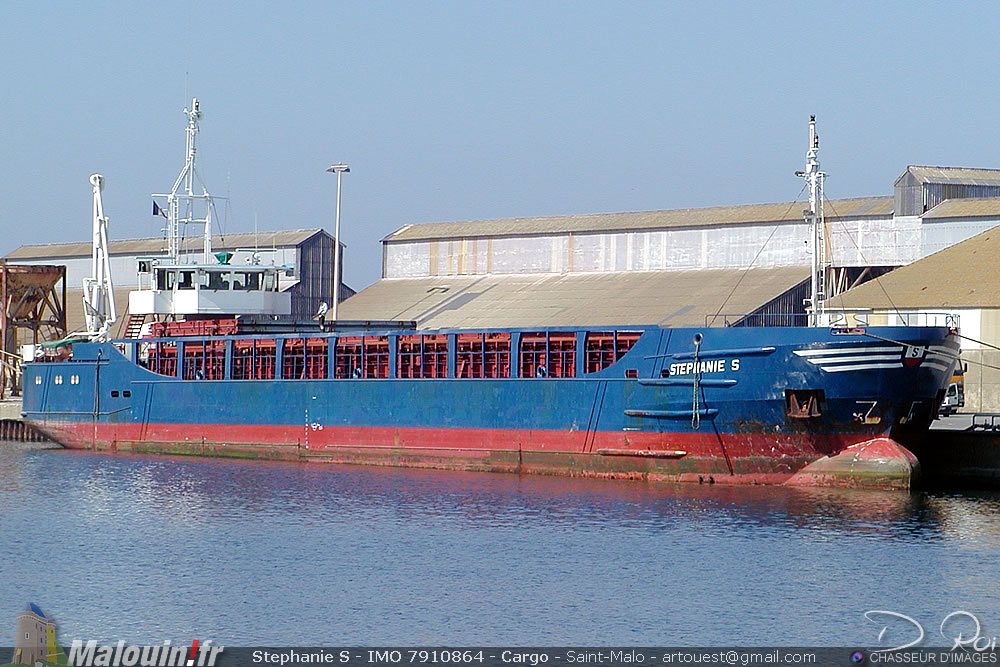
98,290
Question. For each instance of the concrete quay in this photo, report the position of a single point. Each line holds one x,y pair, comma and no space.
10,408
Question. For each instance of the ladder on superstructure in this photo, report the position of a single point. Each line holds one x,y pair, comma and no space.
133,328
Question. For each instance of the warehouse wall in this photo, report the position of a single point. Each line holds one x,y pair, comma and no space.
875,241
855,242
940,234
982,380
674,249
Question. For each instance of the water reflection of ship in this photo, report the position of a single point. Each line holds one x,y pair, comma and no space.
189,490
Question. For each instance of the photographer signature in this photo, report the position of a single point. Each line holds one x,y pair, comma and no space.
959,621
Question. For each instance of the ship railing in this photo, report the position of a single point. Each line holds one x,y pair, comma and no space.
838,318
985,422
757,320
862,317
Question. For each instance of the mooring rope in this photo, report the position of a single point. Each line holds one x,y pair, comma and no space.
695,402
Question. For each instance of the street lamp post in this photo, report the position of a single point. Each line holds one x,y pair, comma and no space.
339,170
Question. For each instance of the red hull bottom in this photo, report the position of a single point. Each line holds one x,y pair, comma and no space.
794,459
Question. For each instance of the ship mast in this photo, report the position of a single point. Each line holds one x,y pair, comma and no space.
182,200
814,216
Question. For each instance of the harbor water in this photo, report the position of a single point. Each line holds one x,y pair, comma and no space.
249,553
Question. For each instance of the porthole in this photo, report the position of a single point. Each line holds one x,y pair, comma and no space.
58,379
38,379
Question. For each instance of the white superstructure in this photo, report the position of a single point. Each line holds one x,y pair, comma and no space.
170,286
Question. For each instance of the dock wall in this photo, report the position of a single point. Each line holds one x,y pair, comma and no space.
982,380
11,426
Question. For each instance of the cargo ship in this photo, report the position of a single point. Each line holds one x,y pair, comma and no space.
824,404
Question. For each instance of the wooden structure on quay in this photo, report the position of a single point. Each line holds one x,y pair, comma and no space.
33,310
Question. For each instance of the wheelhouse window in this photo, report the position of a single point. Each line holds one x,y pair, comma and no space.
218,280
165,279
246,280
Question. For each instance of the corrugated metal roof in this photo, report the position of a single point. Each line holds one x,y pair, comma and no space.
669,298
603,222
155,246
961,175
972,207
961,276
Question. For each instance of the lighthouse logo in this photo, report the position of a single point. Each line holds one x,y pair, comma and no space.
35,639
35,644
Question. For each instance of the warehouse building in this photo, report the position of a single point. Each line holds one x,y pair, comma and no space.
919,189
687,267
956,286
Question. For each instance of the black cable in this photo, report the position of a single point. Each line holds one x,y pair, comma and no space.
752,262
863,258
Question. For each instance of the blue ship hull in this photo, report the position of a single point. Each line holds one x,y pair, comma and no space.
737,405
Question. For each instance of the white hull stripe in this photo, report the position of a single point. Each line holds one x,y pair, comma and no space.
861,367
825,361
828,352
838,360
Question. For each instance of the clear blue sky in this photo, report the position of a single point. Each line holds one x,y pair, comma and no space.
475,110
